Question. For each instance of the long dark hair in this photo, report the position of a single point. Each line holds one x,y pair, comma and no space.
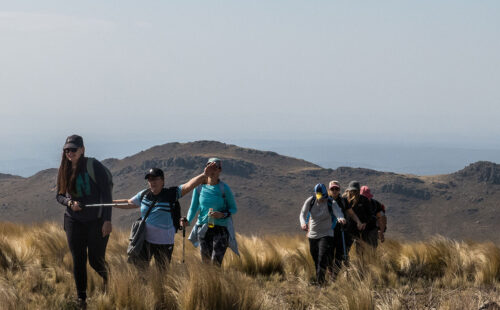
66,177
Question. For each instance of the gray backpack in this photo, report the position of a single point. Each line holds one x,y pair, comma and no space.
137,236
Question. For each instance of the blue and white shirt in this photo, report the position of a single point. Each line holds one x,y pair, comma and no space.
160,227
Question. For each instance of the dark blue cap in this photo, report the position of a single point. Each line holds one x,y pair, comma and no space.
321,189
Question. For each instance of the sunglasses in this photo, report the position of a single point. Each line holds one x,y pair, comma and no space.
70,150
335,189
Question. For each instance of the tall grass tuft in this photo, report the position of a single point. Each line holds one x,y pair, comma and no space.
273,272
207,287
8,297
299,263
50,241
257,257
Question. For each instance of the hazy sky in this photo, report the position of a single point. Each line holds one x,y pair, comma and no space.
155,71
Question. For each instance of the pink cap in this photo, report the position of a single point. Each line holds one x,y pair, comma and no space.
333,184
365,191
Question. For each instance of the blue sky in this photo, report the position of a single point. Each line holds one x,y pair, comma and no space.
131,74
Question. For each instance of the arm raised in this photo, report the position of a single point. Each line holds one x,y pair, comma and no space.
199,179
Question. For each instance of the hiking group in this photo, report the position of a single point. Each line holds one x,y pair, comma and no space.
84,187
331,233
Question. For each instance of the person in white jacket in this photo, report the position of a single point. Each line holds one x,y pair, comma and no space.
318,217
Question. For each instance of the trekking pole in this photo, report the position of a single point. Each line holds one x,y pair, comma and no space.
107,204
183,219
343,243
183,243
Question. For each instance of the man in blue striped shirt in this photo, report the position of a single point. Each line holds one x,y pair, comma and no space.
163,220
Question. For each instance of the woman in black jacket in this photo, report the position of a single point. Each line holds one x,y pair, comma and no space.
363,209
82,181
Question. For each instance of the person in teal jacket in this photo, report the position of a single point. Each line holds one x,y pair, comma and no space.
212,225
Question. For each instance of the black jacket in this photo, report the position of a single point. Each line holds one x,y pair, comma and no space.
89,192
365,212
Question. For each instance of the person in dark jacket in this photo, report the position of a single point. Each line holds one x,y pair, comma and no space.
341,236
379,210
87,229
363,209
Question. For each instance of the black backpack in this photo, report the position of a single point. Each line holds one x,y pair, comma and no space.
175,206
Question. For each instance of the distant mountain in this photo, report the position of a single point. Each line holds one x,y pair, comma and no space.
270,190
4,176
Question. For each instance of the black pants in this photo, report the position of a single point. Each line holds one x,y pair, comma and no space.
321,252
214,244
370,237
366,239
338,248
161,252
83,237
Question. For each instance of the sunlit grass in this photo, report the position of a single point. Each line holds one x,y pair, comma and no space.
273,272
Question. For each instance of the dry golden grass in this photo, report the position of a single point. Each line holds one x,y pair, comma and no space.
273,272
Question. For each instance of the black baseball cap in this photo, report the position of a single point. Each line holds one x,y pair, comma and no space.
154,172
74,141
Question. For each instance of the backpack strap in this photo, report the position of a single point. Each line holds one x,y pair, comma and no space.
222,189
329,202
144,193
153,204
91,172
90,168
175,206
311,204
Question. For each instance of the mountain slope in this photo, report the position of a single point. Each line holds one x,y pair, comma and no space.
270,190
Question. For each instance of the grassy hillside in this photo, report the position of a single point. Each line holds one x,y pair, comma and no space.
270,190
274,272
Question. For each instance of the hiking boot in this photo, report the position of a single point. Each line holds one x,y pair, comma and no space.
81,303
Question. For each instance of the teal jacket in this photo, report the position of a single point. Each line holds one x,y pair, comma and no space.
211,196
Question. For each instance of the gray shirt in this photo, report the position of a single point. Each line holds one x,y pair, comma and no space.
320,220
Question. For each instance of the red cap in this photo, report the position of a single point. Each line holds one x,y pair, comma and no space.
365,191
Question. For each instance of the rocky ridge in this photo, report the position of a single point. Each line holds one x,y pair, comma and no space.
270,190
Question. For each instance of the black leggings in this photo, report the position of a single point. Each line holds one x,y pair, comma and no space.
214,244
83,236
321,251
